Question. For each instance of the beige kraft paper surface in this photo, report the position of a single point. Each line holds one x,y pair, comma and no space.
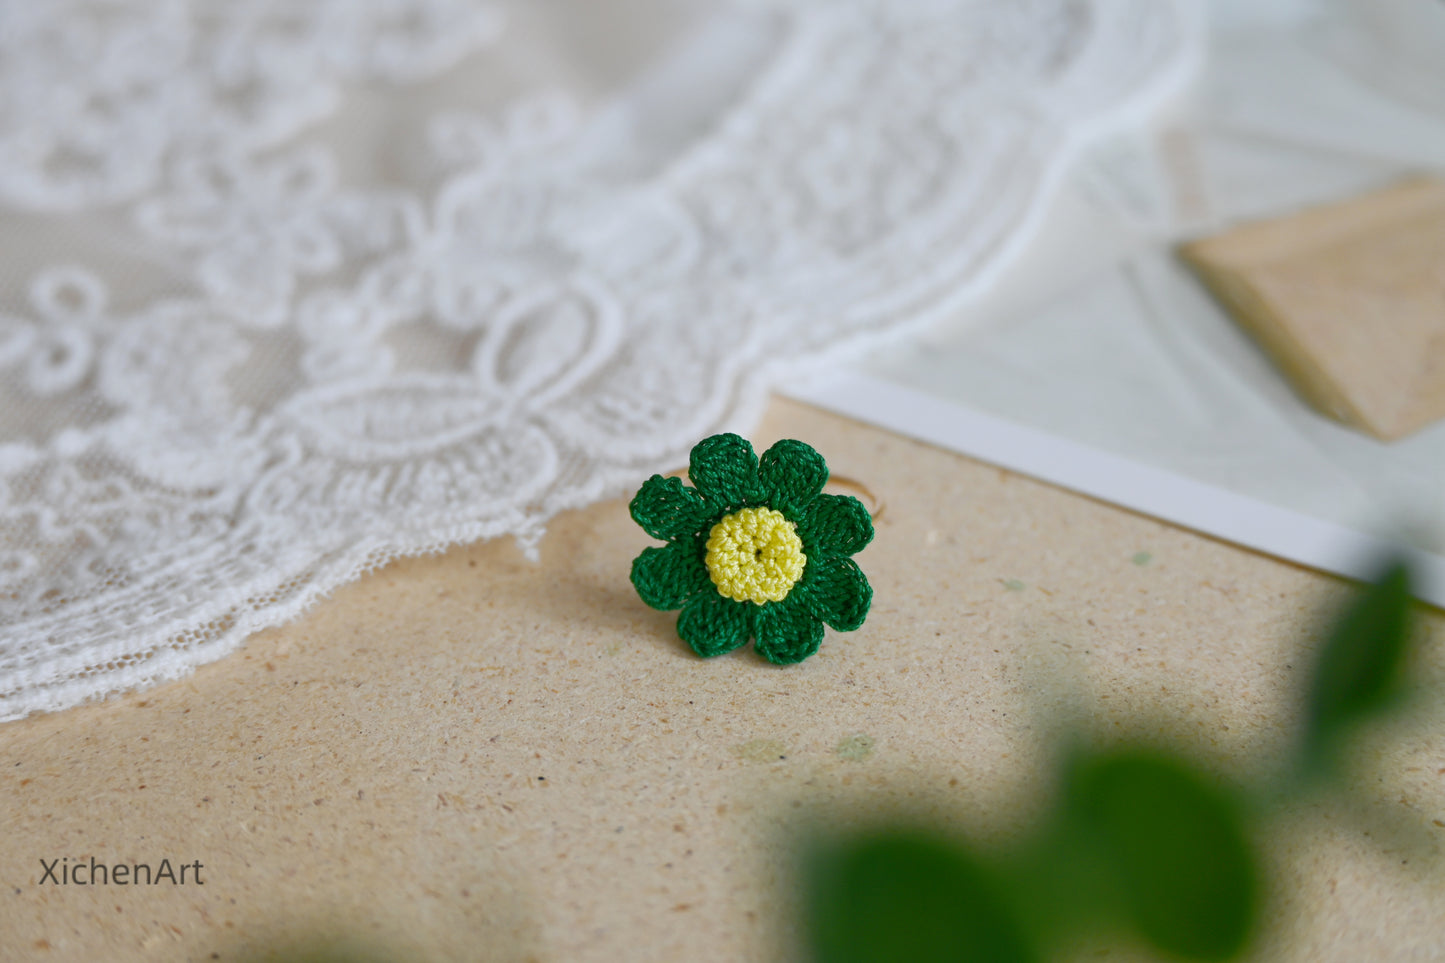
474,757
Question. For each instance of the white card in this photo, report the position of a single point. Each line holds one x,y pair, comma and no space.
1100,364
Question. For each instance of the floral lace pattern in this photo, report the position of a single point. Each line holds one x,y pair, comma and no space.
96,95
277,350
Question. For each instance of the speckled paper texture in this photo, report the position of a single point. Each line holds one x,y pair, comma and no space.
475,757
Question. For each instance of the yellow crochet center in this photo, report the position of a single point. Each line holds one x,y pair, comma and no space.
755,555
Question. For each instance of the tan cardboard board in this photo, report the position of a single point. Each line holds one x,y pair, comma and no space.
475,757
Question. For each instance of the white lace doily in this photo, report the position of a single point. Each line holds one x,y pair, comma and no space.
292,289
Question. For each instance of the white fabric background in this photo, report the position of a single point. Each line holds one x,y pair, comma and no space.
290,290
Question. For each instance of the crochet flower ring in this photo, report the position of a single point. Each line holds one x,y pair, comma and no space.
755,550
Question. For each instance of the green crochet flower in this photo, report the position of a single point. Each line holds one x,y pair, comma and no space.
754,550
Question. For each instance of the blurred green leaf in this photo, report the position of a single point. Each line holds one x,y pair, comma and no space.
1176,849
1359,669
905,895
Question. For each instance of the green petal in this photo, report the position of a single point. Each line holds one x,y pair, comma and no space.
724,470
834,525
792,474
835,591
787,633
713,625
668,509
668,576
